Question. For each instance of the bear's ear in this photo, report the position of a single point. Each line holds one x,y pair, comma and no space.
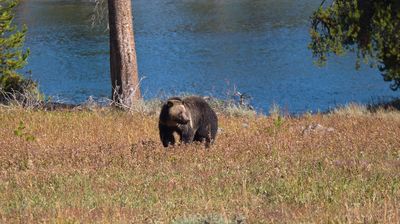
170,103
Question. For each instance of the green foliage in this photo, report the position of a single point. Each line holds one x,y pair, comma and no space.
12,56
278,122
19,131
370,28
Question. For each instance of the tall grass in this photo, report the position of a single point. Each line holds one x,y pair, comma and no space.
102,165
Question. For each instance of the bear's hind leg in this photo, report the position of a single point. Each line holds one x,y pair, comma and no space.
203,137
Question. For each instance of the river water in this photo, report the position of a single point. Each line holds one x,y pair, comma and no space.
206,47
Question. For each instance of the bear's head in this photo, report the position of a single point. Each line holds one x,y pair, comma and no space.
177,111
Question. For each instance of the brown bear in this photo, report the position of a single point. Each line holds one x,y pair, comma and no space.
190,117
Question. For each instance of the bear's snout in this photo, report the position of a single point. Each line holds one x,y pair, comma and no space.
183,119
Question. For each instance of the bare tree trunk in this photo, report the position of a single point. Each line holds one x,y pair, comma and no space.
123,65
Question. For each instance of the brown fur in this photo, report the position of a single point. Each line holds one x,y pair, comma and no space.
190,117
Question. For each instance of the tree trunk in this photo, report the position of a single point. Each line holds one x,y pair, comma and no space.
123,65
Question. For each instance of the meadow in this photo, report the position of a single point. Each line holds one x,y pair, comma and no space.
105,166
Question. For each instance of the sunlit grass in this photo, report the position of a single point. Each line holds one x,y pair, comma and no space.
109,166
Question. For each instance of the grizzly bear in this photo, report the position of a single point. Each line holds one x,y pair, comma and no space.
190,117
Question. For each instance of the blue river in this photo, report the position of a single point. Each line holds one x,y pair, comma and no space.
205,47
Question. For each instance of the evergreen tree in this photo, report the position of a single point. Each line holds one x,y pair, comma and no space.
370,28
12,56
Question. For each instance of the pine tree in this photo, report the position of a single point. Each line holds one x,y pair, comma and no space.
12,56
370,28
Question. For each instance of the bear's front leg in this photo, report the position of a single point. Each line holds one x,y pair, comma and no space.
187,134
166,135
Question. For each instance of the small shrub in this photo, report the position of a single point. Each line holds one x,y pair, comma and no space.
20,132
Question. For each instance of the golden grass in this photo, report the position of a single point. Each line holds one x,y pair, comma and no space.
106,166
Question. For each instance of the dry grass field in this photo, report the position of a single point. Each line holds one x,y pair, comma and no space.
105,166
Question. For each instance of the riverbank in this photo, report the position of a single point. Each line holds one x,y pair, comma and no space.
102,165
